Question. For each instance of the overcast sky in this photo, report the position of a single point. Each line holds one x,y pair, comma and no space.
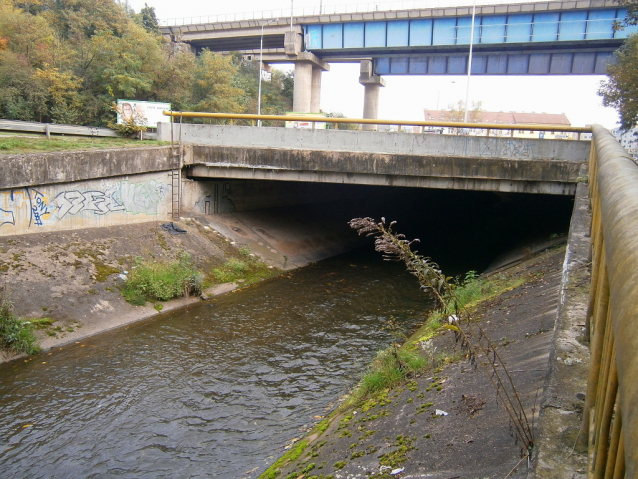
405,97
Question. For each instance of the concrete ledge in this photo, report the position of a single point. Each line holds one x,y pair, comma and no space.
66,167
562,400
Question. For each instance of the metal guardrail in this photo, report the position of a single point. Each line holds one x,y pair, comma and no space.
55,129
328,9
367,121
610,415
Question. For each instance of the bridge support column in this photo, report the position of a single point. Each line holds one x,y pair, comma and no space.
372,84
308,69
303,86
315,93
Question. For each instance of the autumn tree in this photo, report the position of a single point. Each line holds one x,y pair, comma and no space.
68,61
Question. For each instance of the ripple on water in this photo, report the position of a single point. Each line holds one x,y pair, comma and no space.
208,391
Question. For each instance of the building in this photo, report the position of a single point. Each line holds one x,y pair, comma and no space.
628,140
503,118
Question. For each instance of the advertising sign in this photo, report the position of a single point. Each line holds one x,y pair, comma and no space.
320,125
149,112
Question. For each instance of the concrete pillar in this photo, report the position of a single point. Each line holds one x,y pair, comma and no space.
315,94
303,85
372,84
371,103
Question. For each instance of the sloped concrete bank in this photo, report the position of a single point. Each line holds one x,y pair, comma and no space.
73,276
448,423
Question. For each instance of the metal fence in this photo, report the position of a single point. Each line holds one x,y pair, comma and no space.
610,416
327,8
55,129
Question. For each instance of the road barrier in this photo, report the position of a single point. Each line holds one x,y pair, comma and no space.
56,129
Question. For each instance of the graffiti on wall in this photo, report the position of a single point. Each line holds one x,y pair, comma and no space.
31,207
510,148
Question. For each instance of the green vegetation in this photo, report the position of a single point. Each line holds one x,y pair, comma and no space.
13,144
162,280
247,268
468,332
67,61
16,334
620,90
391,367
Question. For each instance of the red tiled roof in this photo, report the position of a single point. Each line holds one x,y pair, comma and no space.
508,118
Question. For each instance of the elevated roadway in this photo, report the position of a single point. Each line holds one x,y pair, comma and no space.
535,38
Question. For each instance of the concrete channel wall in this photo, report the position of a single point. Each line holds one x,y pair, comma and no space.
377,142
72,190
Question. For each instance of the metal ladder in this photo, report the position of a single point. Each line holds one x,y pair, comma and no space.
176,180
176,172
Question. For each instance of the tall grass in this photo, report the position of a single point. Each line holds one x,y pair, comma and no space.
391,367
16,334
162,280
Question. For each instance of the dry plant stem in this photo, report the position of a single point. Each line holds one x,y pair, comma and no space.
395,247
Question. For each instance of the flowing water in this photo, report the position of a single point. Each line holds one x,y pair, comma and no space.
215,390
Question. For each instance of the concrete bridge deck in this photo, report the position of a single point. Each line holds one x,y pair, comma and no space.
384,159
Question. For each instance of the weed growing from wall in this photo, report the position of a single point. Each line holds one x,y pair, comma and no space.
473,340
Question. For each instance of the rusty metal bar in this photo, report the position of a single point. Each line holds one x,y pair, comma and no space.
614,444
603,425
614,196
367,121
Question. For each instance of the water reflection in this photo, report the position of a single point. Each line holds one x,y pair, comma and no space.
216,390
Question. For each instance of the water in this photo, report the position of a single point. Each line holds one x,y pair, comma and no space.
215,390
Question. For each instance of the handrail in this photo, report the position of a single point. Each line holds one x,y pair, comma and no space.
368,121
610,415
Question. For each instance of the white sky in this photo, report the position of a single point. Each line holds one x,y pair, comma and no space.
405,97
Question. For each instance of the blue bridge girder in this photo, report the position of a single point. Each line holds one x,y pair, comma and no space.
572,41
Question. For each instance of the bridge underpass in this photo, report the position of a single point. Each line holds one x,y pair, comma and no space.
467,198
306,222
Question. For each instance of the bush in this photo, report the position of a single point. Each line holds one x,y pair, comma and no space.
16,334
161,281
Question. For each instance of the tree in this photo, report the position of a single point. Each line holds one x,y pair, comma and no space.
149,19
620,90
456,114
632,12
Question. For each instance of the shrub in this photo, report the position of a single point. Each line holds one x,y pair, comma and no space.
161,281
16,334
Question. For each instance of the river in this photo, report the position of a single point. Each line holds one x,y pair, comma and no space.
214,390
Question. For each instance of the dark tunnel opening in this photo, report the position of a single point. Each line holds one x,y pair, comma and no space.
460,230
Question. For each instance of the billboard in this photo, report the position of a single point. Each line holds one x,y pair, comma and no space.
148,111
319,125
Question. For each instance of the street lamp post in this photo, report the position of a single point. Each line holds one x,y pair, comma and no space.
469,63
261,58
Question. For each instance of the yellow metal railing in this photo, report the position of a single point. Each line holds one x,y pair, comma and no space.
366,121
610,416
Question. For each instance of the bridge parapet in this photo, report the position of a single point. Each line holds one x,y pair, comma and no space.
610,416
425,144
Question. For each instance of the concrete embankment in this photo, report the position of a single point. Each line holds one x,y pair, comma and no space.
448,422
73,276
